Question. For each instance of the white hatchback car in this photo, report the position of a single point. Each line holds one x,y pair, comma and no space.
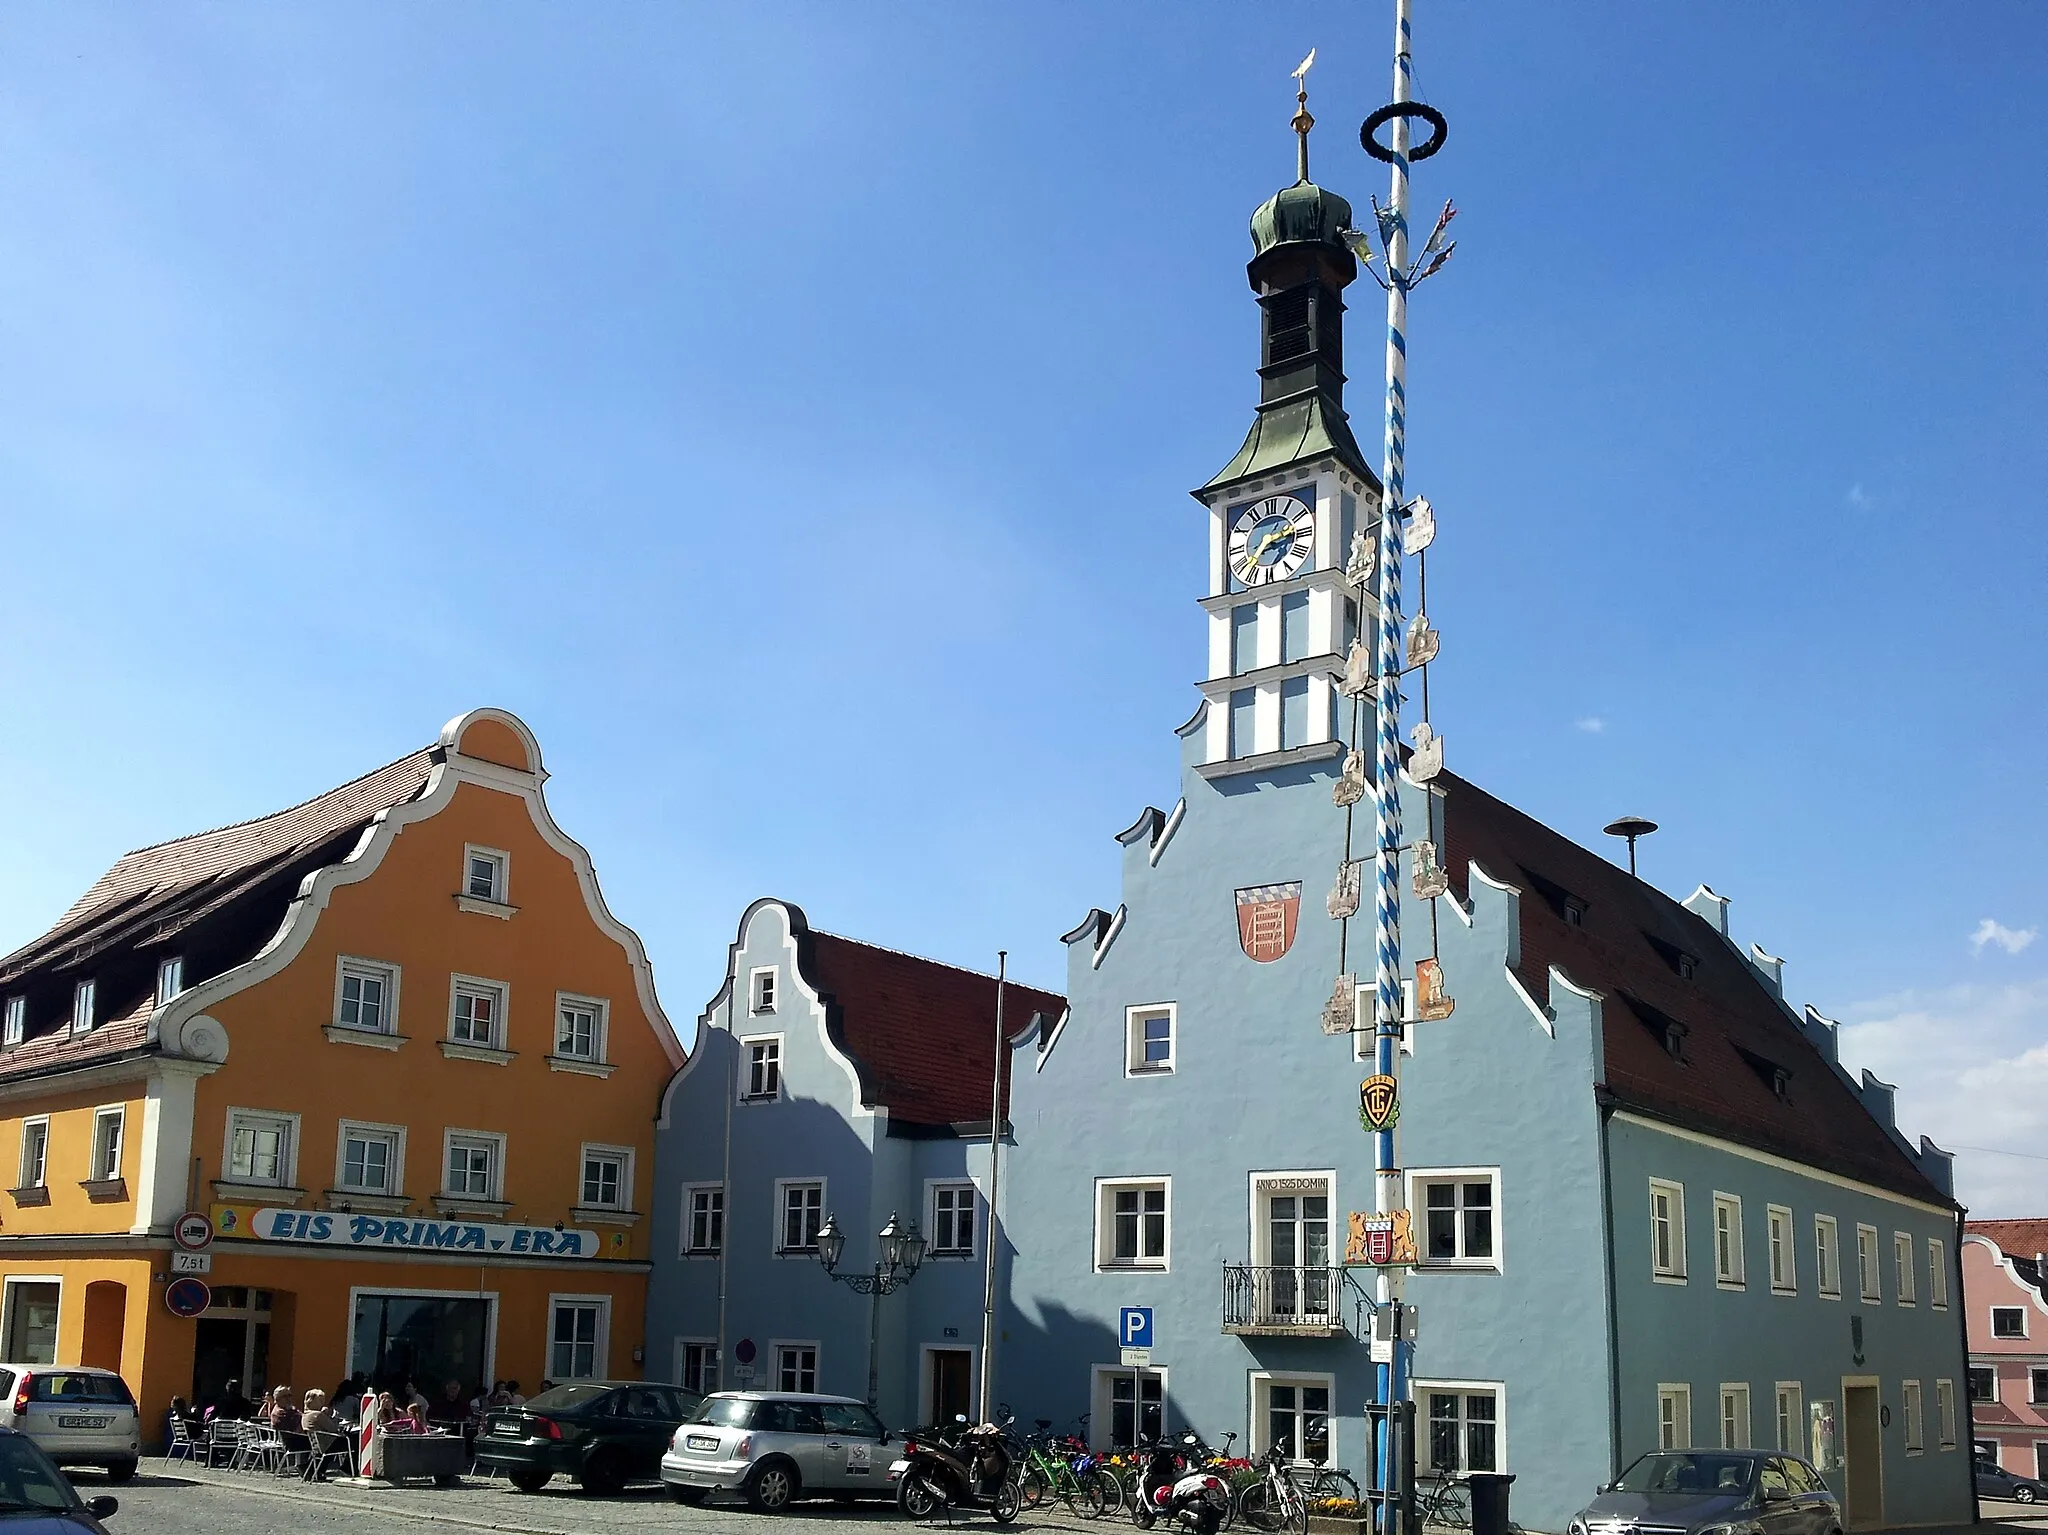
77,1415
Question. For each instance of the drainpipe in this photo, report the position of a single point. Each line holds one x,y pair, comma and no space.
725,1199
1966,1409
995,1137
1606,1108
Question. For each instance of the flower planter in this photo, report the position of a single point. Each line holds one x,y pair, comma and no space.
1332,1524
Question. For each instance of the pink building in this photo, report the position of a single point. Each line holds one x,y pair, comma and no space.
2005,1264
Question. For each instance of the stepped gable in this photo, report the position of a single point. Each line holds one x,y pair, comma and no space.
1736,1044
922,1034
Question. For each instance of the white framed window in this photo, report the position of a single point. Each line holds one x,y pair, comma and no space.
580,1025
366,996
761,989
763,1078
1869,1281
1460,1216
1909,1409
84,1003
108,1127
260,1147
1466,1425
1292,1411
1148,1039
1674,1417
1792,1418
1133,1219
1902,1268
1937,1273
697,1365
799,1212
170,978
796,1366
579,1337
1667,1231
1125,1405
475,1163
2008,1322
703,1220
1728,1265
1779,1231
607,1178
486,874
370,1159
1827,1263
15,1028
35,1152
1945,1412
952,1220
476,1012
1734,1415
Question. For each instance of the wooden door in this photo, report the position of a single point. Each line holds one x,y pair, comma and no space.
1862,1459
952,1379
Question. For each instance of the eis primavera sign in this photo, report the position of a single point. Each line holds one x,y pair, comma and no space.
334,1230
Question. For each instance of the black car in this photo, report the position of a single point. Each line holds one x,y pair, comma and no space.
604,1433
37,1499
1713,1492
1994,1481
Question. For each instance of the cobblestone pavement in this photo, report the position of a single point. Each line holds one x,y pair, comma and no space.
201,1502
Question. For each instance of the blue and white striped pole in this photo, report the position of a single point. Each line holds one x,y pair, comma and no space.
1391,1379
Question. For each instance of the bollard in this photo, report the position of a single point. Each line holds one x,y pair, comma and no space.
1489,1502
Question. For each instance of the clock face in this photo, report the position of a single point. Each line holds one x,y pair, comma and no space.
1271,539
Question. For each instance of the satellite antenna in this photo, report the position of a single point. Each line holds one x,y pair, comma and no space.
1631,827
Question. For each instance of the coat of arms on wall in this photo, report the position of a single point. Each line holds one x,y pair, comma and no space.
1266,918
1379,1241
1379,1102
1431,1004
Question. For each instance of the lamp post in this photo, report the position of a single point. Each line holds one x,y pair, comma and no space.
902,1252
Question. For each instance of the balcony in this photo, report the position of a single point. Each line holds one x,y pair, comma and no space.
1279,1302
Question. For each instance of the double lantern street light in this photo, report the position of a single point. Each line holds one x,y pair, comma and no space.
902,1252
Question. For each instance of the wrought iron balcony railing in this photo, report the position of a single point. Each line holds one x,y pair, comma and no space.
1284,1301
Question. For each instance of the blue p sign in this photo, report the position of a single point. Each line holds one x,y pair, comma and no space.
1135,1326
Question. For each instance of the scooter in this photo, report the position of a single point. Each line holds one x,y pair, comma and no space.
956,1467
1175,1488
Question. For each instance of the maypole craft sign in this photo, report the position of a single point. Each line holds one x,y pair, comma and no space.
334,1229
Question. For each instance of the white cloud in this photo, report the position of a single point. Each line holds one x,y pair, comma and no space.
1858,497
1971,1065
1592,724
2010,939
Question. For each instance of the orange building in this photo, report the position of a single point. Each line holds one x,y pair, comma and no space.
392,1042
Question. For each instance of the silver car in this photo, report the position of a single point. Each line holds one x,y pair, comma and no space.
774,1447
1713,1492
77,1415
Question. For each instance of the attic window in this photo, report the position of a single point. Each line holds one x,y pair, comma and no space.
1688,967
1667,1030
1774,1076
1674,1040
1574,911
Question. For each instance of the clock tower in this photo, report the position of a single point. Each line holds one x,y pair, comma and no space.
1283,511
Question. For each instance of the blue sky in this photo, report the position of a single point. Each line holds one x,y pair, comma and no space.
789,410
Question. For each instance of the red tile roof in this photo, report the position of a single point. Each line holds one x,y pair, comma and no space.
1628,946
2016,1239
921,1034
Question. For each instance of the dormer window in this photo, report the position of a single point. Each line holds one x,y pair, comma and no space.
170,978
1688,967
1674,1041
1574,911
16,1025
82,1000
1781,1082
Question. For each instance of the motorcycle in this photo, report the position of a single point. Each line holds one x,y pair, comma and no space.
956,1467
1173,1486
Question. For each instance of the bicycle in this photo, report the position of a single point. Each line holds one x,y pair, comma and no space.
1275,1501
1061,1467
1446,1503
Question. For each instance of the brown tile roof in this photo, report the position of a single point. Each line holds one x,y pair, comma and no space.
2017,1238
1735,1033
921,1034
223,890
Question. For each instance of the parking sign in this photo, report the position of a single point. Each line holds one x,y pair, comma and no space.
1134,1327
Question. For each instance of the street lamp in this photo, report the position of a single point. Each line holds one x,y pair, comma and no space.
902,1253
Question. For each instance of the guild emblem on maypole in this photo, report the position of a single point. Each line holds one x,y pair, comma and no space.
1267,916
1379,1103
1380,1240
1431,1003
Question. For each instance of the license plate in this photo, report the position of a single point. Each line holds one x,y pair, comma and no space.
83,1422
700,1441
898,1467
506,1430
